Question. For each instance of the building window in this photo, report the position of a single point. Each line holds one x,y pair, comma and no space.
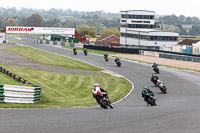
151,38
123,16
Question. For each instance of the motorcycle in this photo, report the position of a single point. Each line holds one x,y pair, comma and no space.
106,58
101,100
150,99
154,80
85,52
156,69
118,63
162,86
75,52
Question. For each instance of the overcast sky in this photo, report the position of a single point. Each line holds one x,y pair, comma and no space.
161,7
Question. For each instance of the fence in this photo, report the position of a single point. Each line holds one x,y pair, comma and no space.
19,94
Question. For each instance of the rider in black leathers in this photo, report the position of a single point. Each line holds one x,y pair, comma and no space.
85,51
146,90
117,59
153,77
154,65
74,49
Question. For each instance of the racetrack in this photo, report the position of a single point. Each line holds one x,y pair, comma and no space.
176,112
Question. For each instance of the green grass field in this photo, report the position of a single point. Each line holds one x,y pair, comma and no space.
65,90
47,58
61,89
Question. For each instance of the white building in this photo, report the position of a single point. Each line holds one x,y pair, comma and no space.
139,28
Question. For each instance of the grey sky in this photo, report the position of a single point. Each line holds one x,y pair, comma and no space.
165,7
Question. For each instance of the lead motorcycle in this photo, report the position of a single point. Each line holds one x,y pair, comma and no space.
100,98
162,86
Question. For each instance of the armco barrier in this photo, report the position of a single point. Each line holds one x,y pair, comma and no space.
19,94
179,57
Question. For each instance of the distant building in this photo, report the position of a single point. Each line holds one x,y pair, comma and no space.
139,28
188,42
110,40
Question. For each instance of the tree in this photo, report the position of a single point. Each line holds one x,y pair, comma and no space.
195,20
2,23
181,18
87,31
182,30
171,28
188,20
36,21
11,22
111,31
54,22
195,30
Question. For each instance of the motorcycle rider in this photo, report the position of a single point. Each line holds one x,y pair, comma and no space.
154,65
74,49
102,90
85,50
146,90
105,54
117,59
154,77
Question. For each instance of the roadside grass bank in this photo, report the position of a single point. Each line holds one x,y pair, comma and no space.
1,44
66,90
47,58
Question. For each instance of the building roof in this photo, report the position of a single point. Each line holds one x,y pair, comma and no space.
188,42
137,10
106,37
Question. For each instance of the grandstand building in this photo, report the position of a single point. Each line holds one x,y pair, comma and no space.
139,28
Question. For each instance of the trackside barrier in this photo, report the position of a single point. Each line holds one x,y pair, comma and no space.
179,57
19,94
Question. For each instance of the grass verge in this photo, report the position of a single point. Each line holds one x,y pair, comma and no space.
66,90
47,58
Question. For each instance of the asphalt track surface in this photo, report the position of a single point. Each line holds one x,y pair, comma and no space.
178,111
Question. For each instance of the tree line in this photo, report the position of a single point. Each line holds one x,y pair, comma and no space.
89,23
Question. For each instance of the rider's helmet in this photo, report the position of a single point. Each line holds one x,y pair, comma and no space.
145,87
96,84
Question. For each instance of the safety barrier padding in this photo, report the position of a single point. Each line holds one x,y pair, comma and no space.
19,94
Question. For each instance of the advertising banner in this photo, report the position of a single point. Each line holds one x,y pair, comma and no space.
40,30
